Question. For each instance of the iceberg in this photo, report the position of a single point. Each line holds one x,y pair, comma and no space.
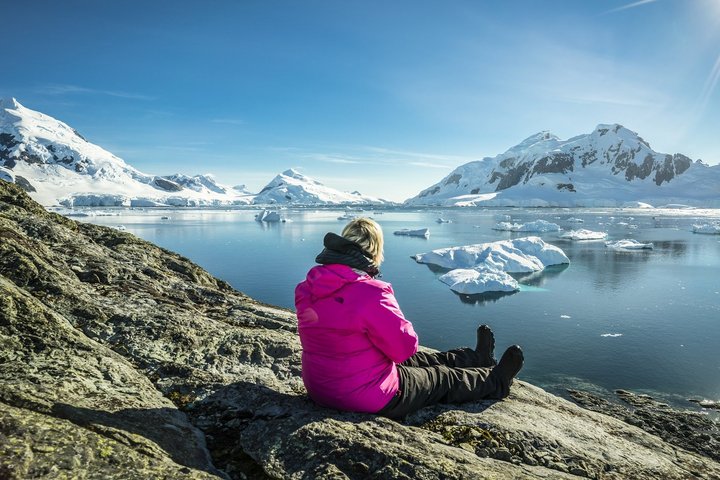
479,280
708,228
629,244
539,226
637,205
575,220
583,234
527,254
267,216
420,232
442,220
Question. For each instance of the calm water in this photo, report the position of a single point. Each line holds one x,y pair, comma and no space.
661,306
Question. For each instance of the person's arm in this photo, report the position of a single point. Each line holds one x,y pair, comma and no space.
388,330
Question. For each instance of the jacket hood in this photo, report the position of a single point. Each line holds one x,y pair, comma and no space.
325,280
346,252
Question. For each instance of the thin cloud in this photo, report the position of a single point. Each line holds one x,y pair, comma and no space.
423,155
629,6
228,121
430,165
60,89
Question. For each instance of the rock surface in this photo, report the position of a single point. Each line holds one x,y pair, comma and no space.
119,359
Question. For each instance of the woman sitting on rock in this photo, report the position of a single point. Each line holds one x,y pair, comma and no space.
360,353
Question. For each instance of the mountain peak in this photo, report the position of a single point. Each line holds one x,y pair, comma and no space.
542,137
291,172
9,102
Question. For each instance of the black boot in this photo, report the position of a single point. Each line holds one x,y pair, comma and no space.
508,367
485,346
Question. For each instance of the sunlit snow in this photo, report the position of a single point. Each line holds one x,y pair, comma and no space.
539,226
584,234
629,244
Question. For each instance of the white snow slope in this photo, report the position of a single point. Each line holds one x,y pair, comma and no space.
608,167
292,187
58,166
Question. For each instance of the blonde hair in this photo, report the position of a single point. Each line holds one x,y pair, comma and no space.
368,235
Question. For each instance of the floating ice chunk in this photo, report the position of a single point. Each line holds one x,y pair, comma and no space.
575,220
536,226
637,205
267,216
678,206
121,227
629,244
420,232
479,280
505,218
442,220
708,228
583,234
347,217
612,335
565,316
527,254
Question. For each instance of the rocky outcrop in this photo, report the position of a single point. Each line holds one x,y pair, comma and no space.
121,359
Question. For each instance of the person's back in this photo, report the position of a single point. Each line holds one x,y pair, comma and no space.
359,351
352,333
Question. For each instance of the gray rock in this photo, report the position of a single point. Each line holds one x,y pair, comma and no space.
119,359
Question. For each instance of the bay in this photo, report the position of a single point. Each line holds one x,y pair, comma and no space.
647,321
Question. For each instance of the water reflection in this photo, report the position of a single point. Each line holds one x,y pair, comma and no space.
538,279
483,298
531,279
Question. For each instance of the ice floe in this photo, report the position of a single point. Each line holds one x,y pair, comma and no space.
629,244
479,280
442,220
612,335
483,267
420,232
527,254
268,216
708,228
575,220
636,205
583,234
539,226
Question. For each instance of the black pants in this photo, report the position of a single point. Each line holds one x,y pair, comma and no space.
455,376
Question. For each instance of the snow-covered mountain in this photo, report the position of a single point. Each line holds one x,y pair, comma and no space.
292,187
612,166
56,165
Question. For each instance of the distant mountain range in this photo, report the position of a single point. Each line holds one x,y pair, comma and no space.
611,166
57,166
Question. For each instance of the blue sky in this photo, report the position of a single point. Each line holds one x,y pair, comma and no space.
382,97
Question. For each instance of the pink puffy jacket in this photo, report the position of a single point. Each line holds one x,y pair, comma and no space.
352,333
